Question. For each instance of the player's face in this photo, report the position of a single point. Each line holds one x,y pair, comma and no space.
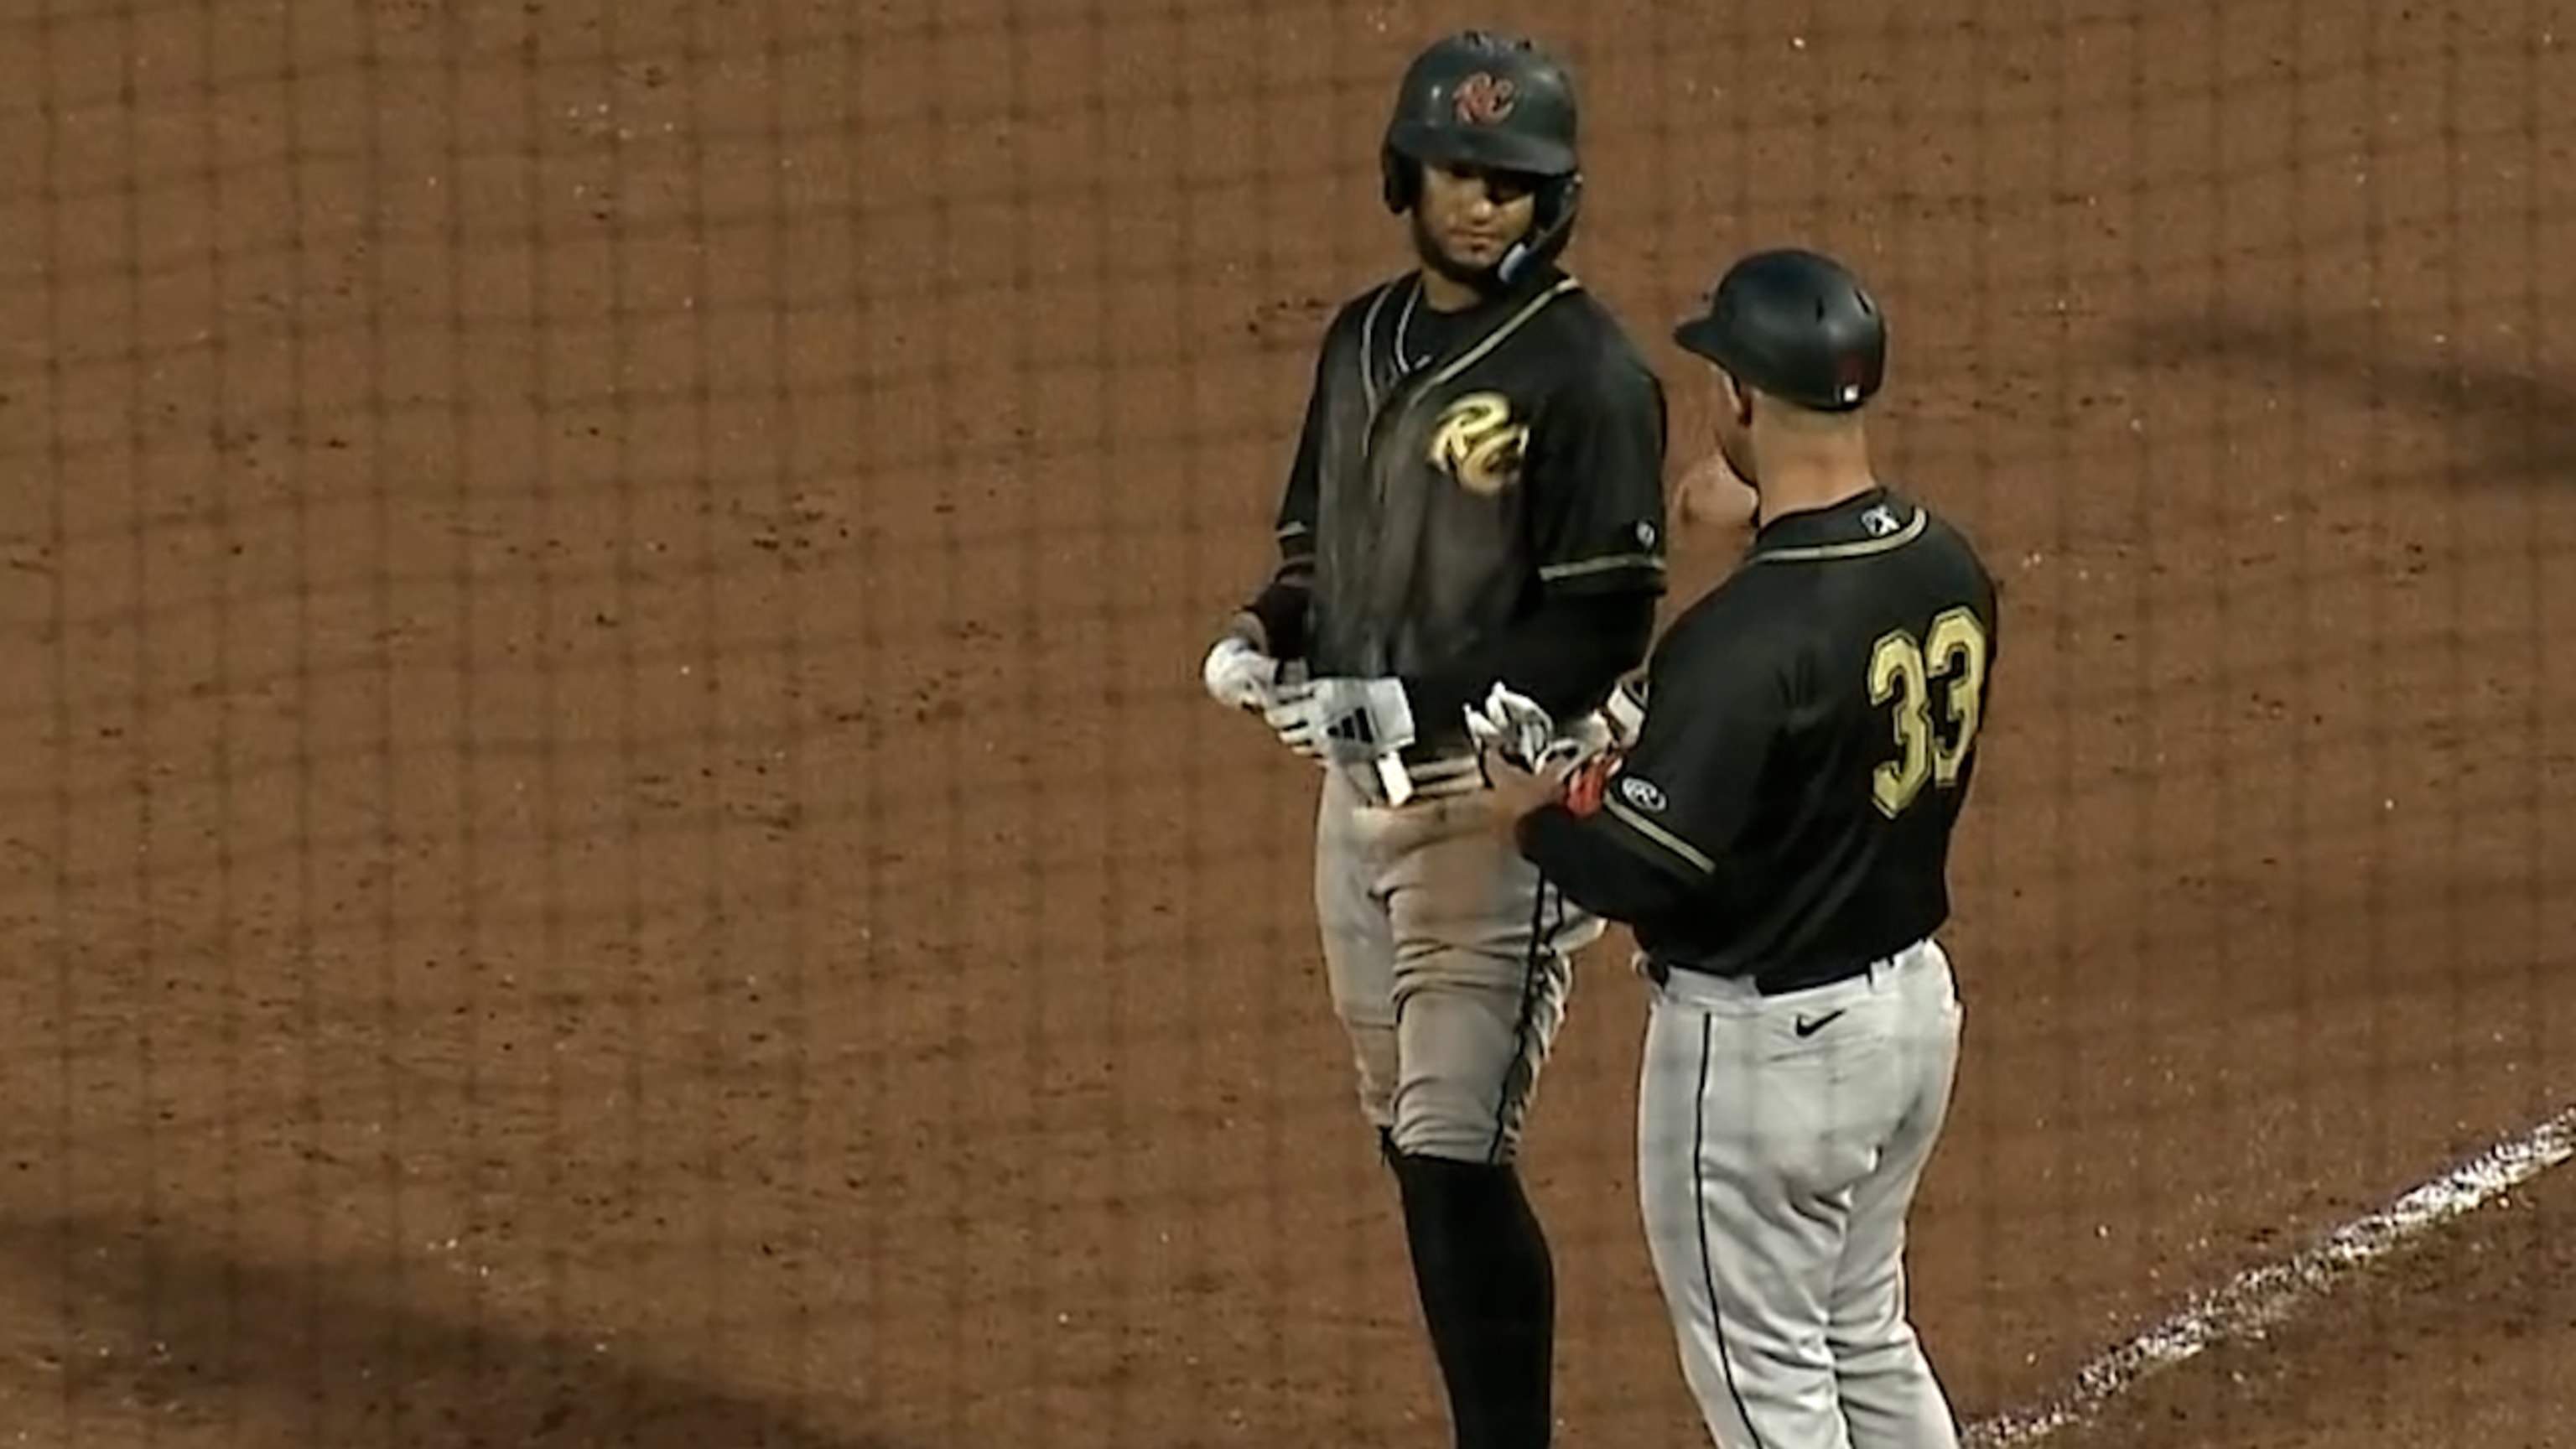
1469,218
1735,429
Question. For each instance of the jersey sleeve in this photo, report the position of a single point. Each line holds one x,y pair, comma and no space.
1299,501
1597,482
1718,701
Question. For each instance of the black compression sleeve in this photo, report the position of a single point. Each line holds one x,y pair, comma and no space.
1281,610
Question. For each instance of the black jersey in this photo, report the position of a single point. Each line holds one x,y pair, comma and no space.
1457,470
1808,740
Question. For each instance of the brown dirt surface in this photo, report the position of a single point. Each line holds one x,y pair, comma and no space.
2465,1340
610,836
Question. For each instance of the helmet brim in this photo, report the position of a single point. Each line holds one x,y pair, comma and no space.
1702,337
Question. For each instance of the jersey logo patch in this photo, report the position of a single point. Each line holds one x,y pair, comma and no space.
1483,99
1642,793
1478,443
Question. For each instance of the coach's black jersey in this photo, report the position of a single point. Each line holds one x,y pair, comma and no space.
1455,468
1809,735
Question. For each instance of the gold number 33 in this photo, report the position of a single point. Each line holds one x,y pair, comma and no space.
1903,671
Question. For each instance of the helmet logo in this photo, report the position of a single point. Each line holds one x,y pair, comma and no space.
1485,99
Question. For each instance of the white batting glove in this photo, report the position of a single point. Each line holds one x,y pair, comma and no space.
1626,712
1364,720
1237,675
1291,714
1517,727
1343,721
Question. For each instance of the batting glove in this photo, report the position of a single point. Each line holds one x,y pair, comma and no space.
1626,712
1343,721
1237,675
1291,715
1518,728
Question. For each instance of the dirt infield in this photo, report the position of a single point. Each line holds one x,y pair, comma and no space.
2464,1342
611,840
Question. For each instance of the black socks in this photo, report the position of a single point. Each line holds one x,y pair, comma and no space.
1488,1291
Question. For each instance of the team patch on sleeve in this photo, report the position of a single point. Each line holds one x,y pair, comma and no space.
1637,803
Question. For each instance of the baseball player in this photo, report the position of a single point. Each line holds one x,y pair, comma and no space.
1777,835
1476,495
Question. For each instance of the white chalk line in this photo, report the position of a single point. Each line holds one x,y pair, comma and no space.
2262,1297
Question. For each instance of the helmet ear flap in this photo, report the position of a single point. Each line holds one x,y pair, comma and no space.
1560,201
1399,180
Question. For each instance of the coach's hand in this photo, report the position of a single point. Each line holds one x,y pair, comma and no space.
1518,791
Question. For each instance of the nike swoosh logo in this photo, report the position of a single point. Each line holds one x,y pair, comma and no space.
1810,1026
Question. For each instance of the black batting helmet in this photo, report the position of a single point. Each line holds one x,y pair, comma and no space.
1480,98
1795,324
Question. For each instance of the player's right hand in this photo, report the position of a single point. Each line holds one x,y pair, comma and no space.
1237,675
1295,715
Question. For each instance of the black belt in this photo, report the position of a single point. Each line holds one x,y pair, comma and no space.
1661,972
1438,749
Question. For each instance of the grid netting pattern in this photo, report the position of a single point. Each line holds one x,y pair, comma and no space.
611,836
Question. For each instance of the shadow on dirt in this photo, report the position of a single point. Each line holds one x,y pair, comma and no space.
2506,425
174,1331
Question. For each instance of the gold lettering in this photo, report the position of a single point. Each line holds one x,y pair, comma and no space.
1902,673
1478,444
